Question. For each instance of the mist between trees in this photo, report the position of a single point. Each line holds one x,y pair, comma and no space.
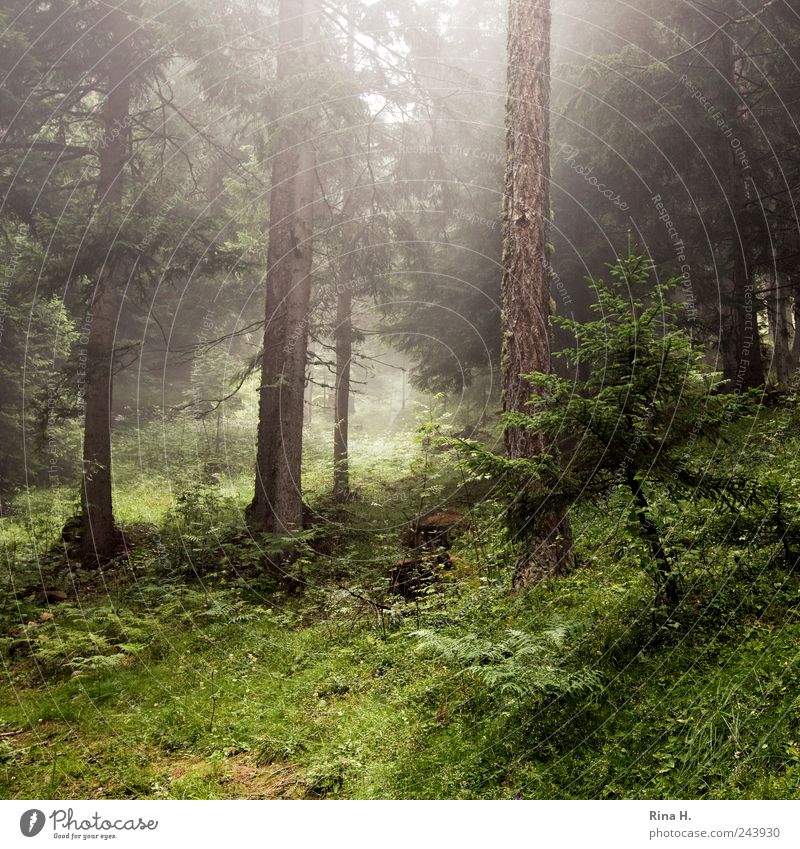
462,334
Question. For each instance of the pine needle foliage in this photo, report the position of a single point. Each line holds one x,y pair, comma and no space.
649,403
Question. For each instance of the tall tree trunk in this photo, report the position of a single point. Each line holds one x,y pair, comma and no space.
780,325
99,536
740,342
344,318
796,318
277,505
344,353
546,548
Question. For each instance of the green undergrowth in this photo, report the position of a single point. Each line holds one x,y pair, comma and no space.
183,673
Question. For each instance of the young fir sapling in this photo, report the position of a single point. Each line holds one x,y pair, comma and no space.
649,400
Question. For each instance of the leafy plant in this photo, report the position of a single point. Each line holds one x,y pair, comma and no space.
521,667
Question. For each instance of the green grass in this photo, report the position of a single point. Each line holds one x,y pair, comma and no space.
351,714
168,688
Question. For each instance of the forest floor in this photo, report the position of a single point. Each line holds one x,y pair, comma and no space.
182,672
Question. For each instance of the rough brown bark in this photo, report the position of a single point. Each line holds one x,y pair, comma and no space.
547,548
277,505
99,536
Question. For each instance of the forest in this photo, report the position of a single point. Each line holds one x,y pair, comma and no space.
398,399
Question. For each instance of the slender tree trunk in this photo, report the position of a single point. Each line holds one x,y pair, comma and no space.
99,536
780,325
546,549
667,578
344,353
310,392
796,318
344,318
740,342
277,505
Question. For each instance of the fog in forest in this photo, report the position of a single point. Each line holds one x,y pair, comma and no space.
466,325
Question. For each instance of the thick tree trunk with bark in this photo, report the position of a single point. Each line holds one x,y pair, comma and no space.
277,505
547,549
99,536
